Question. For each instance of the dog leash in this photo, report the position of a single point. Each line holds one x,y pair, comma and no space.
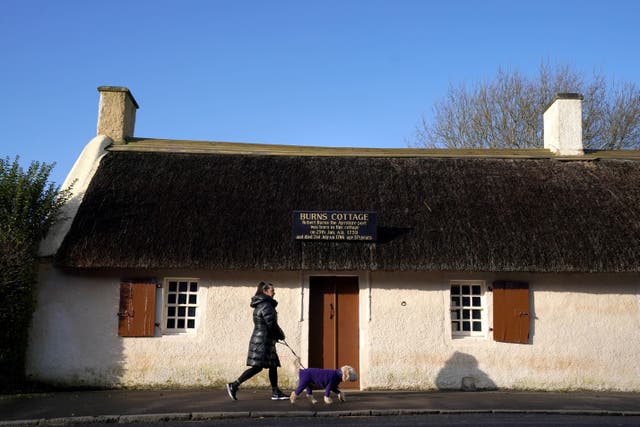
294,353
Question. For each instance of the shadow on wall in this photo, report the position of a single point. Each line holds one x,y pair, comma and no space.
461,372
74,338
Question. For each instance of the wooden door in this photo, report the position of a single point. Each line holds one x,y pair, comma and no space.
334,336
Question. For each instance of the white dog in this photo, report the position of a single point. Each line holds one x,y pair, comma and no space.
327,379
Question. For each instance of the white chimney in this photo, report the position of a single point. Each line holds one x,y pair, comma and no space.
116,113
563,125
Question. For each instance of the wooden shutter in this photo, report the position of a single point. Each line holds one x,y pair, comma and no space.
511,311
136,317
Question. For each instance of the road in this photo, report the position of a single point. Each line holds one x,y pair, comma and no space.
473,419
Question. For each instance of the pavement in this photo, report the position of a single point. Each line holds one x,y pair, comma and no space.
126,406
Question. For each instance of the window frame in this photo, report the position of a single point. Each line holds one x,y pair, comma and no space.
484,310
166,305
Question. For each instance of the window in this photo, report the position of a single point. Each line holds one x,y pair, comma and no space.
467,308
181,304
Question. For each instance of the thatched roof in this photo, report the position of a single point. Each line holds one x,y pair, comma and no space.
209,209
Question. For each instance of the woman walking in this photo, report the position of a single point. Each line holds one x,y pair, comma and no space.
262,345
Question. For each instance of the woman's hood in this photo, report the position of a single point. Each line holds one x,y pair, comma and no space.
258,299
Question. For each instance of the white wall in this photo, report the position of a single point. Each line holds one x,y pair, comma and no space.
74,338
585,333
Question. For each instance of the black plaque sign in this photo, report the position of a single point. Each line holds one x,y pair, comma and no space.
346,226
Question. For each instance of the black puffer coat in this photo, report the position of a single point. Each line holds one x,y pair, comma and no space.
262,346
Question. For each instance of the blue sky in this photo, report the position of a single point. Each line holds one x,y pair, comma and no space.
357,73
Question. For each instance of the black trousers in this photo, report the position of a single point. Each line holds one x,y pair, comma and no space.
273,375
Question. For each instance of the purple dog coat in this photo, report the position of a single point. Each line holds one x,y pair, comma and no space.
319,378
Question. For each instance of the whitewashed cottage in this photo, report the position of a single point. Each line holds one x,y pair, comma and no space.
510,269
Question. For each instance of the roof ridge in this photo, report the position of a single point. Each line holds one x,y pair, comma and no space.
222,147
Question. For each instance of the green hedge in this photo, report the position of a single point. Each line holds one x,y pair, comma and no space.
29,206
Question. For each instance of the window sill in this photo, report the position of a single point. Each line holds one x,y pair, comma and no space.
178,333
468,337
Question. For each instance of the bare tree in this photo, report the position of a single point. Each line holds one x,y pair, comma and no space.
507,111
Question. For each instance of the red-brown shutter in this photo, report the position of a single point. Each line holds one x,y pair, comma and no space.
511,311
136,317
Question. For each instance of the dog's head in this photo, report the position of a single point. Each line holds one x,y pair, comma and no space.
348,373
